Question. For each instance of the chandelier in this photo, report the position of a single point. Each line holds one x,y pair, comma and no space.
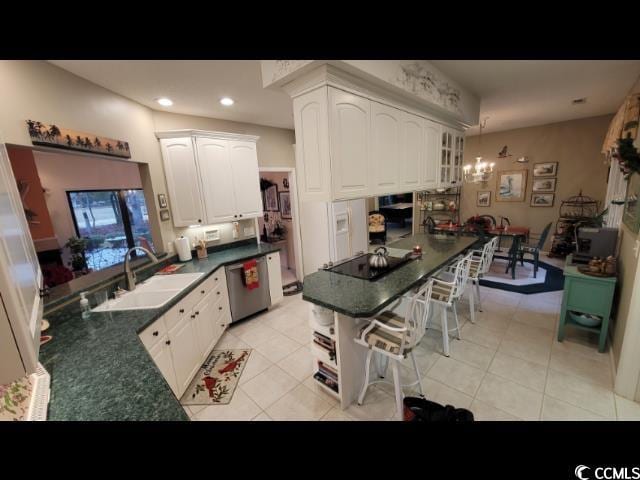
482,171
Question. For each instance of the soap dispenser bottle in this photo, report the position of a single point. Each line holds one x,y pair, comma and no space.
84,305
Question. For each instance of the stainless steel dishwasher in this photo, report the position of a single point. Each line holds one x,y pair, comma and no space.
245,302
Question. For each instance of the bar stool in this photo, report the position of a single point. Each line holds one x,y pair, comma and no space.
446,293
480,264
393,337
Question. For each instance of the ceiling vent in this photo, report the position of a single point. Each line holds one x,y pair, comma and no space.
579,101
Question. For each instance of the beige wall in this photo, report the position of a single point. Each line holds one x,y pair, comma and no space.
41,91
575,145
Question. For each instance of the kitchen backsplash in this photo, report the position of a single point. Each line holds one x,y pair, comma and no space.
218,234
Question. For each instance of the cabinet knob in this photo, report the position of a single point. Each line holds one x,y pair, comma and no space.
216,279
181,310
219,308
269,258
155,334
202,292
168,342
193,316
197,313
235,216
240,215
199,220
217,293
222,325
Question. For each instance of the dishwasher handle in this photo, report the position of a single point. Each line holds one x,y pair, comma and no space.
240,265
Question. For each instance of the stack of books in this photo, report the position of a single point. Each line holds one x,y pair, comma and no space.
325,343
327,376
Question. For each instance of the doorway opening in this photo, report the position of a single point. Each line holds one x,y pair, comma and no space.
279,224
390,218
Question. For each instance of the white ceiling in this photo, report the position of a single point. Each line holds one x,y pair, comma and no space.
514,93
522,93
195,86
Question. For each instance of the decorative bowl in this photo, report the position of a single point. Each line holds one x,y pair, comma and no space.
585,319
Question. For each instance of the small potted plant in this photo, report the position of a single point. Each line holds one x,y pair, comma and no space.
77,246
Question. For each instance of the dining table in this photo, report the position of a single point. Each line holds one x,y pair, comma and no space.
517,235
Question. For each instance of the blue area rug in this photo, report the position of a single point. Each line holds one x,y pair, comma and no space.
554,281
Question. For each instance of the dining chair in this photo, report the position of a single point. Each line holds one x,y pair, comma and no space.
394,337
447,292
480,264
534,250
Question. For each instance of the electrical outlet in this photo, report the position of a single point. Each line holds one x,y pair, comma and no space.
212,235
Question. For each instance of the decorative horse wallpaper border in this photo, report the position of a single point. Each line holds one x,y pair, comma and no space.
54,136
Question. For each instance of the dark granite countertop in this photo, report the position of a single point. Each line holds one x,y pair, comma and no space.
100,370
364,298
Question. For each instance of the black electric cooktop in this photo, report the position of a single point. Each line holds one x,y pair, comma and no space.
359,267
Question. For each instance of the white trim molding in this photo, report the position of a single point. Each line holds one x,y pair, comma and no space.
208,134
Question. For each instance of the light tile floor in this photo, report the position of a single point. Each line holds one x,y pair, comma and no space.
507,366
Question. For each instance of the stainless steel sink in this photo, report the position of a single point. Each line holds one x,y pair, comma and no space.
152,293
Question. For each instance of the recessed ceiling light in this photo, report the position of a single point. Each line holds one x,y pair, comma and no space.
226,101
164,101
578,101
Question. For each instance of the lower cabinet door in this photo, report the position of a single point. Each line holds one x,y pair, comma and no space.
275,277
206,325
161,354
185,352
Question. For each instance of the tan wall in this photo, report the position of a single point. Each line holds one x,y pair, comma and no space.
41,91
575,145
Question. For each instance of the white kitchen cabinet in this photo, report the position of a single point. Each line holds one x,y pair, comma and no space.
458,152
161,355
412,166
451,156
386,148
204,317
216,179
431,160
275,277
185,352
183,181
246,179
215,182
350,131
313,165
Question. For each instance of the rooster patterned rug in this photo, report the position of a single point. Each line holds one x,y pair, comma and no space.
216,381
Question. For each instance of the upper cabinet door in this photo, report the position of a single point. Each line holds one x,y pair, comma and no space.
458,152
350,127
183,182
386,151
217,179
313,166
446,158
246,179
431,154
413,154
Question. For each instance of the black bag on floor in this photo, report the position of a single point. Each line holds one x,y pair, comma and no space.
418,409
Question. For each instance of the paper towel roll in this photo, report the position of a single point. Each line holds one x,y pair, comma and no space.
183,248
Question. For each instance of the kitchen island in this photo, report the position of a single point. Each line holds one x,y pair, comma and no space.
350,300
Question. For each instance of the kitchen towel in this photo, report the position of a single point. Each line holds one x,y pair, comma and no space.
251,274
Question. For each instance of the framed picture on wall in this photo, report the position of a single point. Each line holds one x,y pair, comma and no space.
285,205
544,185
512,185
483,199
271,199
549,169
542,199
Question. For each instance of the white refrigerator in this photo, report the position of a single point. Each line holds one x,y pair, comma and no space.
332,231
20,283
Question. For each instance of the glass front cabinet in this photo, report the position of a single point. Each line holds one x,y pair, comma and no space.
451,157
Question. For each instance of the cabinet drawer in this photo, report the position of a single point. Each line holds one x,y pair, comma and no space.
151,335
589,297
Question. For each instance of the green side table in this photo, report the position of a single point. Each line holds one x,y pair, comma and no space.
586,294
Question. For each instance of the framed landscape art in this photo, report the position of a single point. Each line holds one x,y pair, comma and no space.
483,199
512,185
542,199
549,169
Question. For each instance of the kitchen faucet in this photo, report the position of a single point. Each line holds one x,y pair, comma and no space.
130,276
